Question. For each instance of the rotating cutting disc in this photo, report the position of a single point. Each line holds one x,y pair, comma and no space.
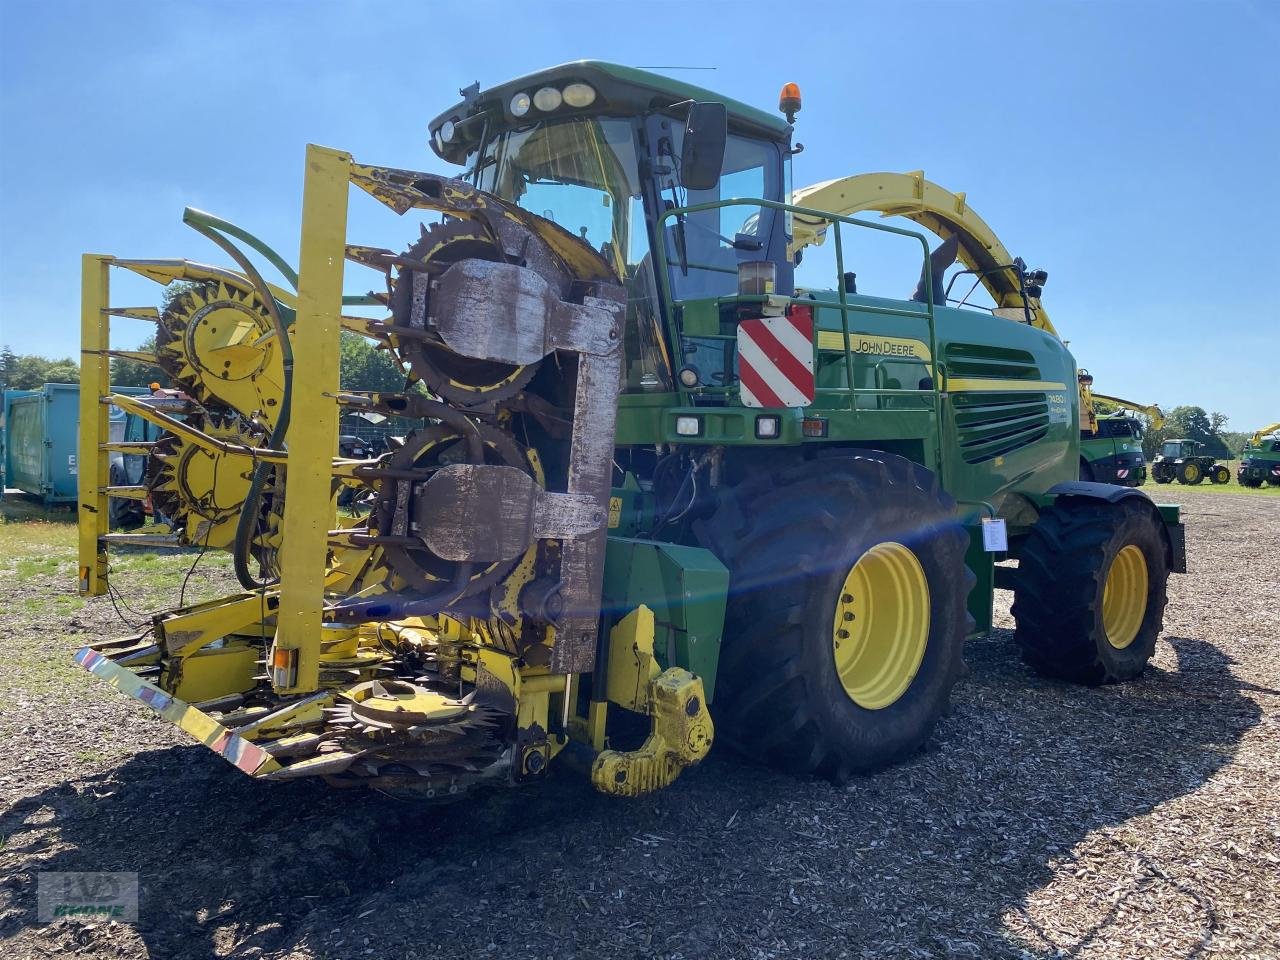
216,341
200,491
424,452
457,379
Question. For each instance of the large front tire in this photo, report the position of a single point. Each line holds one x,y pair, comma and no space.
847,613
1089,591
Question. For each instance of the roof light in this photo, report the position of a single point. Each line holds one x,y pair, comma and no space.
520,104
447,130
547,99
579,94
789,101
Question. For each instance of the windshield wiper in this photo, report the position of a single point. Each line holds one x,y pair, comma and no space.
670,171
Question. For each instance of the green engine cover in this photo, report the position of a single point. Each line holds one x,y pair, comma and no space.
685,587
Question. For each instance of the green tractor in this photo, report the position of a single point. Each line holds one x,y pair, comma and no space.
1182,460
800,505
1260,459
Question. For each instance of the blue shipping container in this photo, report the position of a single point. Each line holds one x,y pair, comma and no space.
41,439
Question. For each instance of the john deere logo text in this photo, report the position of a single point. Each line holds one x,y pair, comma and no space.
874,345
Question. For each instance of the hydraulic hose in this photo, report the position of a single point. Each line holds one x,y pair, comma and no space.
247,522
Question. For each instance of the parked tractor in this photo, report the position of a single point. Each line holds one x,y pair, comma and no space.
1260,458
1182,460
659,490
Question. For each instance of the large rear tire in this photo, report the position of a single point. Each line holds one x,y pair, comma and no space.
1089,591
847,613
1189,472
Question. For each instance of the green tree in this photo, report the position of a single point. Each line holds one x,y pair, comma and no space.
136,373
362,366
29,371
7,361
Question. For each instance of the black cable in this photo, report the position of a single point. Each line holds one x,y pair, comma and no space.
208,531
113,595
249,510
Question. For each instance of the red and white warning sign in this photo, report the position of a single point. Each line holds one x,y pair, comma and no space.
775,361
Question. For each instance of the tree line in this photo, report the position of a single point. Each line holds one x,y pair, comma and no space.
1190,422
361,367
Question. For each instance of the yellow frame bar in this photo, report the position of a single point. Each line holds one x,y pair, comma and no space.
93,468
313,422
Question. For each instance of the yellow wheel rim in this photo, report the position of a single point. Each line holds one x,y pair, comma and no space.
881,625
1191,471
1124,597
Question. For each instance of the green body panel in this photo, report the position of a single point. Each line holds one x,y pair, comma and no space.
983,565
1097,448
1004,433
687,589
1107,454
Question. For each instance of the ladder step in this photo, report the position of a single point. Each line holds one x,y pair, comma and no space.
141,539
138,492
136,313
139,447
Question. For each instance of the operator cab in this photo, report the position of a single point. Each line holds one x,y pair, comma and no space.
606,151
1173,449
1116,428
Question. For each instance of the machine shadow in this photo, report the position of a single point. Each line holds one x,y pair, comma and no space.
1020,771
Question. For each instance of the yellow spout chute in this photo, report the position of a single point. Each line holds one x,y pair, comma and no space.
944,213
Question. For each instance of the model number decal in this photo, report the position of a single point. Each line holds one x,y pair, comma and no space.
1059,408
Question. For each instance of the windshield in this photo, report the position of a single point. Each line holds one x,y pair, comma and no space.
582,174
578,173
1172,449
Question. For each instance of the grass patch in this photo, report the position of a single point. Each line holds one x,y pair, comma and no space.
1233,487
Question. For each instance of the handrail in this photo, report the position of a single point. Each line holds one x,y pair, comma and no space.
843,306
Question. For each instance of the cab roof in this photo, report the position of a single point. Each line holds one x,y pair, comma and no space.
619,90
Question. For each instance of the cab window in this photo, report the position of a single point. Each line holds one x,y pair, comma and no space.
704,248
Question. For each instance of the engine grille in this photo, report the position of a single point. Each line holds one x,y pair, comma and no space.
993,423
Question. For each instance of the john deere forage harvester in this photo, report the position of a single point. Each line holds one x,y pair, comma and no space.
656,481
1260,458
1111,443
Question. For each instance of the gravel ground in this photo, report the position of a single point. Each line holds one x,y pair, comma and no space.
1043,820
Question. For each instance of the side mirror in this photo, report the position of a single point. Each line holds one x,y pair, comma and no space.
702,152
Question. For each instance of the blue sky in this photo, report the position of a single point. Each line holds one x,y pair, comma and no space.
1130,149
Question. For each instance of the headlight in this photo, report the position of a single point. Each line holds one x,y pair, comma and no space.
767,427
547,99
579,95
689,377
688,426
447,130
520,104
